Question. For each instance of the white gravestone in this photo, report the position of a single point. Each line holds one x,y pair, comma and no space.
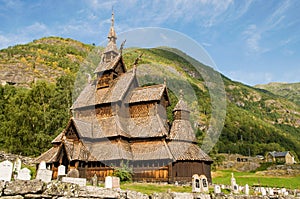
61,170
44,175
42,165
115,182
79,181
233,181
17,165
108,182
6,169
203,184
217,189
271,192
236,189
263,191
196,183
246,189
24,174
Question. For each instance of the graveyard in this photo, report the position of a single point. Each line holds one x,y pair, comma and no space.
17,179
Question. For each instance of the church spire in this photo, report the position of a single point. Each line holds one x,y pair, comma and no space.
111,50
112,36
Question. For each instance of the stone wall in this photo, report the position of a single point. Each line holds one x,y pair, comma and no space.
55,189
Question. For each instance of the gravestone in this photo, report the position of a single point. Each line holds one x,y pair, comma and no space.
196,183
217,189
61,170
42,165
44,175
79,181
95,180
115,182
203,184
6,169
233,181
263,191
73,173
236,189
24,174
17,165
246,190
271,192
108,182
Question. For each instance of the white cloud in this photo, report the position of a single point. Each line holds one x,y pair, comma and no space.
254,34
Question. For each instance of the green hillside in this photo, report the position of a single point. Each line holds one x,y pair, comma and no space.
290,91
256,121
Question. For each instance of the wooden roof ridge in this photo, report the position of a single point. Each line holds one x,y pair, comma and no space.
181,106
58,138
48,156
168,149
182,130
187,151
148,93
102,66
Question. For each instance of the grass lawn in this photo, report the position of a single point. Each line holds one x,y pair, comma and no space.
242,178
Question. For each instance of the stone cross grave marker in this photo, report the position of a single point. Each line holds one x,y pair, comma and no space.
95,180
6,169
17,165
61,170
24,174
246,189
233,181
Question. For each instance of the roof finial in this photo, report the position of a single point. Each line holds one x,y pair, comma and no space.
122,46
112,16
181,94
137,59
165,81
112,34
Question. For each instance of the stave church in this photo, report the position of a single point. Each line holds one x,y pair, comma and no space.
116,121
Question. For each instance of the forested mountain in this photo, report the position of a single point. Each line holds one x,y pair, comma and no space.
36,109
289,91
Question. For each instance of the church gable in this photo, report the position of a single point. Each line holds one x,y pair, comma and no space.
71,131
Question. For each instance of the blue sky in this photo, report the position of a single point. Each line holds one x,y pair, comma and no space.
250,41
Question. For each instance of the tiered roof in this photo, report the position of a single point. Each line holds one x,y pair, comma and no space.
122,137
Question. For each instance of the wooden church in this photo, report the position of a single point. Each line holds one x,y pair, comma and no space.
116,122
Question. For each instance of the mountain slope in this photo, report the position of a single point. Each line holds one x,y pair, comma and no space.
256,121
290,91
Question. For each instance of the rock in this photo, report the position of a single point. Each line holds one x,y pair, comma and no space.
161,196
58,188
2,185
20,187
12,197
134,195
73,173
184,195
32,196
98,192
